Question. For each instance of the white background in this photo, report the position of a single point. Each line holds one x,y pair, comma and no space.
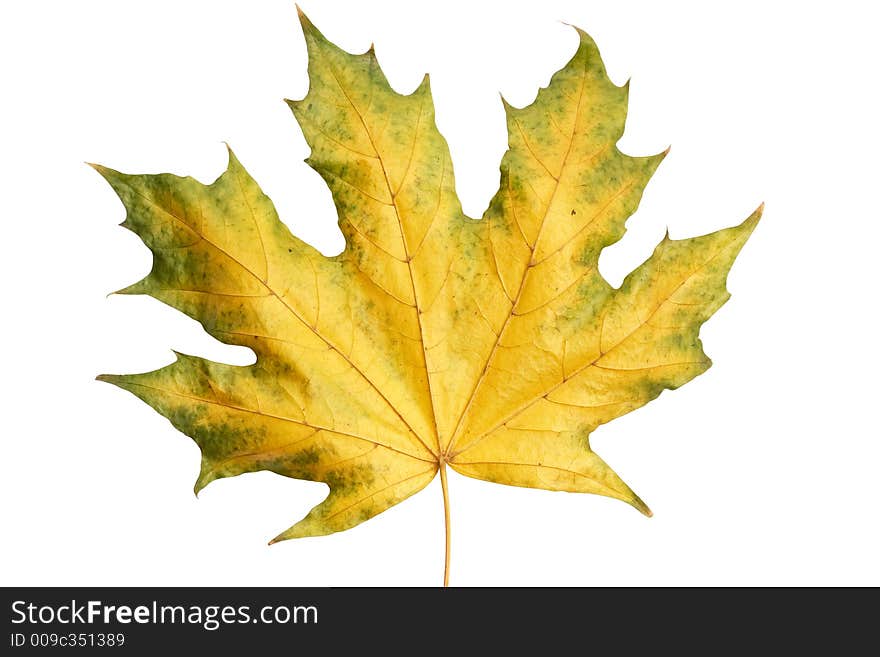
763,471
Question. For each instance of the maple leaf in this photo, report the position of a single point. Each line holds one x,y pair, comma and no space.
491,346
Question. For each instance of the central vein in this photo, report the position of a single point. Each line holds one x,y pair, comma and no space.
392,193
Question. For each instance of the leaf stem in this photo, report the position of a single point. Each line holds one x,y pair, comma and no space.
445,488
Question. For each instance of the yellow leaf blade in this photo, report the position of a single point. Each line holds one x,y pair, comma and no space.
648,341
222,256
492,345
559,461
347,507
247,419
566,191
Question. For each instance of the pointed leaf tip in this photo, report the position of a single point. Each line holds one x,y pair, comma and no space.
639,505
281,537
753,219
105,172
308,27
231,158
586,41
114,379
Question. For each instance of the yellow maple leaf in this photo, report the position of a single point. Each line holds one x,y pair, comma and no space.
493,346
